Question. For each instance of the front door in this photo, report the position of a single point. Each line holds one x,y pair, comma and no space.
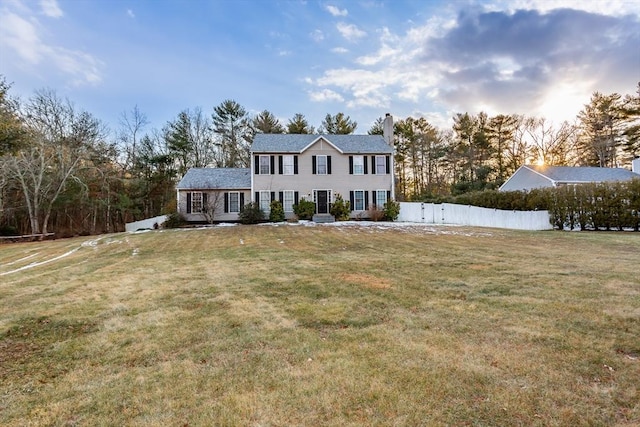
322,201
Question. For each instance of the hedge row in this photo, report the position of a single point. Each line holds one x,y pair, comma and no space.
601,206
604,206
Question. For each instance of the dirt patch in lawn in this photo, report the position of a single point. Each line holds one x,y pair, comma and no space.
366,280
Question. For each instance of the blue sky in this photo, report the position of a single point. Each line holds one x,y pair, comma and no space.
362,57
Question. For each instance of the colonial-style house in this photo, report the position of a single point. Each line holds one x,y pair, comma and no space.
290,167
528,177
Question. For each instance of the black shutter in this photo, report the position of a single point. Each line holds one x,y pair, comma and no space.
257,197
373,165
272,169
374,199
273,196
328,165
313,165
350,165
281,196
296,198
241,201
351,200
366,200
388,164
256,165
295,165
388,196
188,203
204,202
280,165
226,202
366,168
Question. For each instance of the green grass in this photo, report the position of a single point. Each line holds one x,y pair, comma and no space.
348,326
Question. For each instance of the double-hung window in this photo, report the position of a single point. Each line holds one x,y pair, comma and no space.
321,165
265,165
287,201
381,198
265,201
196,202
234,202
381,165
358,200
287,165
358,165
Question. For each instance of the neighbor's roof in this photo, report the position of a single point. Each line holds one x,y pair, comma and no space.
582,174
216,178
297,143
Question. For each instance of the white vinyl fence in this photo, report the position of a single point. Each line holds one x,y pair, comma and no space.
447,213
149,223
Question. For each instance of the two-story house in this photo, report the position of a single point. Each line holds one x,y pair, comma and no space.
290,167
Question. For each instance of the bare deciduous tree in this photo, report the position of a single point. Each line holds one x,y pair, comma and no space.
60,139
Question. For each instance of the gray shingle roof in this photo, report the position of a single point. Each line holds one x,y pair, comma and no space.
583,174
216,178
295,143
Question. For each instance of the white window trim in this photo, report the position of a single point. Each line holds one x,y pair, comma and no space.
284,200
193,202
290,166
378,205
260,157
384,165
237,193
361,165
266,208
326,164
355,200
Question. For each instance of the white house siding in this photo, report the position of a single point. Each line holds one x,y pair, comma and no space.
447,213
220,215
339,181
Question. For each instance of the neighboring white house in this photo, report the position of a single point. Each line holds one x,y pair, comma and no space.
528,177
290,167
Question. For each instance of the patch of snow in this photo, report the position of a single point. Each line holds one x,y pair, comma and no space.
36,264
22,259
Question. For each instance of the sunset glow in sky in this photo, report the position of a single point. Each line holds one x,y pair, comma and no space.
361,57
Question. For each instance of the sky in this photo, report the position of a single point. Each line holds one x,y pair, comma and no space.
365,58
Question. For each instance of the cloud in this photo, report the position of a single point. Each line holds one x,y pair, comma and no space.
130,14
499,57
335,11
21,35
317,35
340,50
51,8
350,31
500,61
609,7
325,95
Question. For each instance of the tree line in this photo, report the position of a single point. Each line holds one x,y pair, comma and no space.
63,170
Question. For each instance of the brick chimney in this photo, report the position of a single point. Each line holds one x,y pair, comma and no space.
387,129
